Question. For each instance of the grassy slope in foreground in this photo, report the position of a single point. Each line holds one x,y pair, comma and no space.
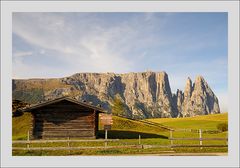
127,131
20,126
199,122
122,128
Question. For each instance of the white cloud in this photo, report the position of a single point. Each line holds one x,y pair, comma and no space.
42,51
22,54
90,50
23,70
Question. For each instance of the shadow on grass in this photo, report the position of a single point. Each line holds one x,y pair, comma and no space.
119,134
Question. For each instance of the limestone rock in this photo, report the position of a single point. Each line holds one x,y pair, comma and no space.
143,94
187,108
178,102
203,100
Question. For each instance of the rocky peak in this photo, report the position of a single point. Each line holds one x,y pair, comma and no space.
188,88
163,86
180,97
199,83
164,95
199,78
203,99
178,102
143,94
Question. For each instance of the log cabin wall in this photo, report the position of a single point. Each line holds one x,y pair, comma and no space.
64,119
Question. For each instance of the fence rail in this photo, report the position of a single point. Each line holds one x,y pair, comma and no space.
64,140
196,130
200,139
77,148
105,145
179,146
187,146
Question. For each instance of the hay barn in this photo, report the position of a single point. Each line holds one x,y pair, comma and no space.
62,118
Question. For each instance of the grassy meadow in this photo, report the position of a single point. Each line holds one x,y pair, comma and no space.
205,122
128,131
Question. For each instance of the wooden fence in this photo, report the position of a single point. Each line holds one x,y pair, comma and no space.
200,139
67,141
138,144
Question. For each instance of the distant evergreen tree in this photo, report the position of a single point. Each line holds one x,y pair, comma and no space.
118,107
16,105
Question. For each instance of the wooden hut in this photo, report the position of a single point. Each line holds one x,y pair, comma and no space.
62,118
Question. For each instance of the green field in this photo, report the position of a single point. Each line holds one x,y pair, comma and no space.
20,126
128,131
207,122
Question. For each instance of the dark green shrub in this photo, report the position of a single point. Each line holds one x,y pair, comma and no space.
222,127
17,113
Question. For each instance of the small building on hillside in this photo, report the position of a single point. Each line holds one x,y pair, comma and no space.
62,118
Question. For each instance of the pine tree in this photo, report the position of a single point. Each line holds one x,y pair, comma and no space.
118,107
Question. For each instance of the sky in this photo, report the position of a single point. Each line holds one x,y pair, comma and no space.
49,45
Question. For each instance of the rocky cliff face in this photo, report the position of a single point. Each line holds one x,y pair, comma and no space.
143,95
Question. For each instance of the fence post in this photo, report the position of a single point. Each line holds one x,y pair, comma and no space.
171,136
28,139
200,137
139,139
106,138
227,139
68,145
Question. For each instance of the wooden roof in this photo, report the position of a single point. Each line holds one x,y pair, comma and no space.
42,104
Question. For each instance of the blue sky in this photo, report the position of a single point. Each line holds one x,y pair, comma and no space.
182,44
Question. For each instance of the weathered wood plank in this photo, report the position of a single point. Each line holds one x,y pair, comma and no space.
68,127
55,116
44,116
62,127
61,106
53,123
88,125
65,121
66,133
62,113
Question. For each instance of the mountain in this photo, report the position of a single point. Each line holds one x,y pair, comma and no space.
134,95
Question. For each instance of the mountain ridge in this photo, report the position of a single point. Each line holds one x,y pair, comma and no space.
142,94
